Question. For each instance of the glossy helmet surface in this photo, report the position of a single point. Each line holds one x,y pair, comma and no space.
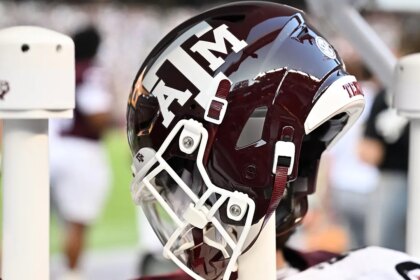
227,119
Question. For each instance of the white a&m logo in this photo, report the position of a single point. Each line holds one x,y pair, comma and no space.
4,89
191,69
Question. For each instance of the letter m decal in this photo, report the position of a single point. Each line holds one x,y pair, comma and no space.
221,35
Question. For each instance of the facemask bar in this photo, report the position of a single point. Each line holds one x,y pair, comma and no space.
199,214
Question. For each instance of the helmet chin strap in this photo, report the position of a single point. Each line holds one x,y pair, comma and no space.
284,159
280,183
199,215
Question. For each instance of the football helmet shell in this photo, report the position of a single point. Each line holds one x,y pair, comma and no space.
227,120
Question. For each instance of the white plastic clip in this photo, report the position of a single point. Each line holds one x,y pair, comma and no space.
195,217
222,111
284,149
190,136
237,206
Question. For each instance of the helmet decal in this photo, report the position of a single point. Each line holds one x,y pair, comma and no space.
325,47
221,34
353,89
190,68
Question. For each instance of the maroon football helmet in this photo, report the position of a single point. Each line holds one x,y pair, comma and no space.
227,120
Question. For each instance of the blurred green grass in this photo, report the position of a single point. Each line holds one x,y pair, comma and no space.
116,227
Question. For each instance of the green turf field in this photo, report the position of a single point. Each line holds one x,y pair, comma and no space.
116,227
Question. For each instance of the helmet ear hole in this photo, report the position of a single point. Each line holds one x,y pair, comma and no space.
253,128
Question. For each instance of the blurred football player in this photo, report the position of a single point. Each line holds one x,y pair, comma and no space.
80,173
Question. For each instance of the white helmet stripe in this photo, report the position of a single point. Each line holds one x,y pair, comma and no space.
343,96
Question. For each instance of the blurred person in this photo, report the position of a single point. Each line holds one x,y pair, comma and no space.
386,145
80,175
350,194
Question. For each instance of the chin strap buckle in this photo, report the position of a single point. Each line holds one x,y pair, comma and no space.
284,160
284,155
284,151
216,108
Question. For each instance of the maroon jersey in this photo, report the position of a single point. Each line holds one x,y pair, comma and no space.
92,98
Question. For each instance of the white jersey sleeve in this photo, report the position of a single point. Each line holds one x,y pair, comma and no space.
371,263
92,95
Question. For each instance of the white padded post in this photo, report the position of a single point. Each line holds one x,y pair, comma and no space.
260,261
407,101
36,83
25,199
